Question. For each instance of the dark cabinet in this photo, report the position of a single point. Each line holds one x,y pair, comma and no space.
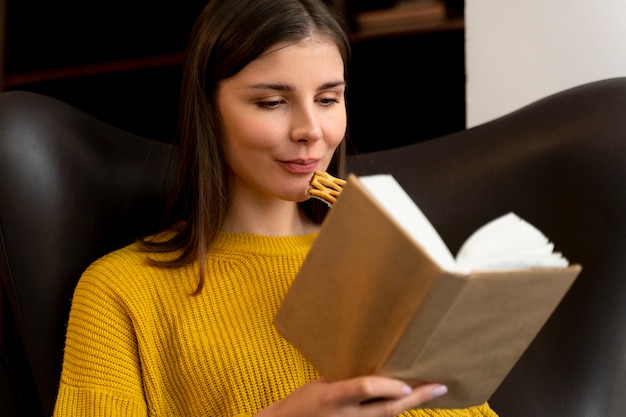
120,61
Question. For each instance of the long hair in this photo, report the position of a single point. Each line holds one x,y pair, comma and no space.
227,36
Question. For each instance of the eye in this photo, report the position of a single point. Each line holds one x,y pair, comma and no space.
328,101
269,104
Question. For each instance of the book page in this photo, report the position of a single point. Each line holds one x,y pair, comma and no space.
505,243
508,242
393,198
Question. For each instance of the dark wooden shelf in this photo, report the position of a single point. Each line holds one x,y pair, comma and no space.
409,29
54,74
407,81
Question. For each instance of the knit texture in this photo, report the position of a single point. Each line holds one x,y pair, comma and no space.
138,344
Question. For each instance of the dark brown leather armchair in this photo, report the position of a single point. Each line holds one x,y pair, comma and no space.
560,163
73,188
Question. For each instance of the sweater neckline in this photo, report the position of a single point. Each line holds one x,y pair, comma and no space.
272,245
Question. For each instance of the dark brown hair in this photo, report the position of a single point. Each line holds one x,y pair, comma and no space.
227,35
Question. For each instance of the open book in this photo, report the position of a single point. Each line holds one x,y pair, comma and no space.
507,242
380,293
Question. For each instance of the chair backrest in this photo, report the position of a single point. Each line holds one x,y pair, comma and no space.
71,189
560,163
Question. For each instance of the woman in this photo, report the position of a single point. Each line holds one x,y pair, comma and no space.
180,324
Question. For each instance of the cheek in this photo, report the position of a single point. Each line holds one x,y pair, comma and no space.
336,130
250,133
334,134
242,127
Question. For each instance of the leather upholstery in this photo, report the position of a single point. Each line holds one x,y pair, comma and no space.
560,163
73,188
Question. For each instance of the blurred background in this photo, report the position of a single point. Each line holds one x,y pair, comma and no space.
120,61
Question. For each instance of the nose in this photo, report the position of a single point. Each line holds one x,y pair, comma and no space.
306,126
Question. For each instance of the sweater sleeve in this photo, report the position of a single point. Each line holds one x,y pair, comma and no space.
101,367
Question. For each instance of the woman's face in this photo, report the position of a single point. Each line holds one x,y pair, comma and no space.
283,116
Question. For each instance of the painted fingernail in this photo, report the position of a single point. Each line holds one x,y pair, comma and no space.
406,390
438,391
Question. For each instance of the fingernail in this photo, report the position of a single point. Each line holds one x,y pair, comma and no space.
439,390
406,390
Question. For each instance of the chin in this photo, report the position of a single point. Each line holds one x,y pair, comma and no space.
298,198
296,190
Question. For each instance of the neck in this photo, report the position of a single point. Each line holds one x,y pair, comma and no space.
277,218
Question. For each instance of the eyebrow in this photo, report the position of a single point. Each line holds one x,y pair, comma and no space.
289,88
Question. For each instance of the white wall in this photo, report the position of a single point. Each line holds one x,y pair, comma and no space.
518,51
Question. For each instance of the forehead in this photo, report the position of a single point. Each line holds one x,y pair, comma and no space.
315,55
315,38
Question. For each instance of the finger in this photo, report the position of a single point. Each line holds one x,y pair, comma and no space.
372,388
418,396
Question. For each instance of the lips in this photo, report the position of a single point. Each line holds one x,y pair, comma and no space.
300,166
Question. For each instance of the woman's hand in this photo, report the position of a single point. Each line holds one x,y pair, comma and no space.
367,396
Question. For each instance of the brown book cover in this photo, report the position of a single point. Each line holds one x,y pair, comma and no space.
369,300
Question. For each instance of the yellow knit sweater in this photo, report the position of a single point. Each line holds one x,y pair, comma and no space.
138,344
